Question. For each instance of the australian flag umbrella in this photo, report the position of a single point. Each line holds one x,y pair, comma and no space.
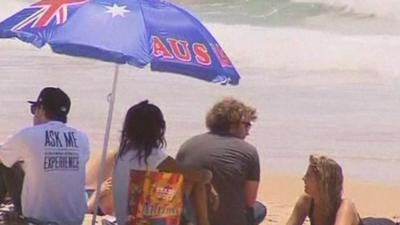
136,32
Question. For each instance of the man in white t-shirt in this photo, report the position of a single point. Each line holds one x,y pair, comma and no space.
54,157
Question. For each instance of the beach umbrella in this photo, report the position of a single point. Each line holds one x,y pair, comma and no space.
135,32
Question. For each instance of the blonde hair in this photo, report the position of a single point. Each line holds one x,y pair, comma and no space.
228,112
330,184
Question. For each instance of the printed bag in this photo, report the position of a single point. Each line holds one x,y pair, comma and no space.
155,198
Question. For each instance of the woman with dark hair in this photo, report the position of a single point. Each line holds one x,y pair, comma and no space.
142,148
322,201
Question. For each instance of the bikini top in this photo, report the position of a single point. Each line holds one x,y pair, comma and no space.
310,213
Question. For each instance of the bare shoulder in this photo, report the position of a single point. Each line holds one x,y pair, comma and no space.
300,210
303,203
347,204
347,213
305,199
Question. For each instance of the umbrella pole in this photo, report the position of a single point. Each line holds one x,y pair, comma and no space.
100,177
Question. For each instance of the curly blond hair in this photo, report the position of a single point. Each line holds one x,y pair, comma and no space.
227,113
330,184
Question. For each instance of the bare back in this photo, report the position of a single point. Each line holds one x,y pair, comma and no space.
305,207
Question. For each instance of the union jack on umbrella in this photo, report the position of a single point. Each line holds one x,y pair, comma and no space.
45,11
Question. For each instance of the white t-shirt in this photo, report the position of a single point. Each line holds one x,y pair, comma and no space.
120,178
54,158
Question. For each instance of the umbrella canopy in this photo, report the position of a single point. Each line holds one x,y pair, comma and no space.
136,32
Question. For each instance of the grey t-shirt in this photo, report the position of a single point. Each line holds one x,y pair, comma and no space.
232,162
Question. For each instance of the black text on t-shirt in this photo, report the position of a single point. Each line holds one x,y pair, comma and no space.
53,139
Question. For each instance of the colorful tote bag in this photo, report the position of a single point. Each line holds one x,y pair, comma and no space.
155,198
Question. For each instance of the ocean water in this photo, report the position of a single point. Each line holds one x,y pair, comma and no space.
323,75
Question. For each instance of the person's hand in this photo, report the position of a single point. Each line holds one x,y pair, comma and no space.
213,198
106,186
206,176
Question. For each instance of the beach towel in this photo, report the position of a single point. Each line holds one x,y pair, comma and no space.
13,218
155,198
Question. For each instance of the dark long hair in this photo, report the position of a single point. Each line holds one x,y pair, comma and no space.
143,130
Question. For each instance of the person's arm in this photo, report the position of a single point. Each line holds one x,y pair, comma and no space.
251,190
11,150
213,197
252,179
300,211
104,191
93,167
198,198
347,213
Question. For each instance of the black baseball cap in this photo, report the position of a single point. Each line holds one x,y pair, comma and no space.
53,100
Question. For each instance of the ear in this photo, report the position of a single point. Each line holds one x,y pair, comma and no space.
41,113
234,130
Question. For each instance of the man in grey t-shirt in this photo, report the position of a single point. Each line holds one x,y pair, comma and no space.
233,162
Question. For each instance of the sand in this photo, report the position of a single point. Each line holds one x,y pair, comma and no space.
280,192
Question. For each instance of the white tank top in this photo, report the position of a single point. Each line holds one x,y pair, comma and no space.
120,178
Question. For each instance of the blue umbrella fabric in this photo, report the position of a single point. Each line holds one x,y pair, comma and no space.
137,32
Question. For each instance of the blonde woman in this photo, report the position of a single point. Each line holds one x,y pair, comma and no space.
322,201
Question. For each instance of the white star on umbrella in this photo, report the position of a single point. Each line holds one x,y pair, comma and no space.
116,10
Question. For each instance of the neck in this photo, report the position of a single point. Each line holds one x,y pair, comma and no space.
41,121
